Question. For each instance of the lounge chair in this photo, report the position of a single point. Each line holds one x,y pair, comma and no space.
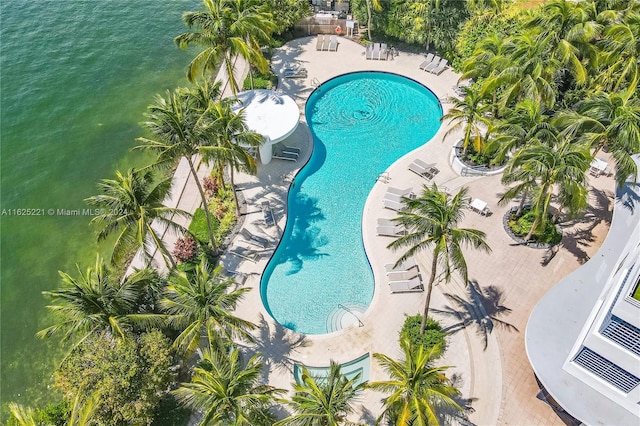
239,277
333,43
291,149
383,221
433,65
419,169
392,204
368,52
252,238
299,73
427,61
375,54
267,213
245,253
284,155
405,286
410,263
384,52
430,167
390,230
400,192
402,275
320,42
438,70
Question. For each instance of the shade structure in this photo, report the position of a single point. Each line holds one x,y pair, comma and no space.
274,115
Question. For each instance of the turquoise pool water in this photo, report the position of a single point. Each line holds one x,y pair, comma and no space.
361,123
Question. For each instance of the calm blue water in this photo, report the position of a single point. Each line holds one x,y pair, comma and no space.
361,124
76,78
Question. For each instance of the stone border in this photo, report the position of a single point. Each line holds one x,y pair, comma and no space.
521,241
461,168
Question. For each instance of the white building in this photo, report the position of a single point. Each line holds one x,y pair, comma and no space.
583,336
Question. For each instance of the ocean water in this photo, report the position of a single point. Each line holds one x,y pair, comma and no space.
361,123
76,78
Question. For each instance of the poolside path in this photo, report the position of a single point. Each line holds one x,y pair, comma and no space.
487,324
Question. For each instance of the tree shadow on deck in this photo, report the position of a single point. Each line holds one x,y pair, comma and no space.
276,343
482,308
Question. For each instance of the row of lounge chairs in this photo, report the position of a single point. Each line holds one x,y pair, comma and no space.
425,170
377,52
434,64
405,277
329,43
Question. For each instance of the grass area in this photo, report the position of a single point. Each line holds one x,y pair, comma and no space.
223,217
261,81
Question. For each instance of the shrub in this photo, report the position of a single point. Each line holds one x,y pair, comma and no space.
210,186
185,249
261,81
521,226
433,334
223,218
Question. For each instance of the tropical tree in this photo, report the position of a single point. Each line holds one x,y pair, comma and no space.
177,122
81,414
431,220
417,389
608,121
228,391
621,49
375,5
470,115
228,136
226,29
557,162
323,401
96,302
200,303
128,206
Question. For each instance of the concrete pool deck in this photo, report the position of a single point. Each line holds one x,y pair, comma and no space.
486,346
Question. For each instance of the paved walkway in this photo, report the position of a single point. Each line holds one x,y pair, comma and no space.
487,341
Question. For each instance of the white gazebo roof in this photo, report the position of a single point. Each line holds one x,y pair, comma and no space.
274,115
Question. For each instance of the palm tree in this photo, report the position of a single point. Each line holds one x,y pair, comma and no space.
375,4
431,220
176,121
520,125
228,135
553,163
128,205
226,29
608,121
228,392
96,302
201,303
417,389
323,401
469,114
620,51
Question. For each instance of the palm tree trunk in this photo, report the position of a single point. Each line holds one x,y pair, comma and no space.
534,225
168,259
432,278
521,205
205,206
235,196
369,19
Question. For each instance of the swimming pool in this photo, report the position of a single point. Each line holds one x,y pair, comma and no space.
319,277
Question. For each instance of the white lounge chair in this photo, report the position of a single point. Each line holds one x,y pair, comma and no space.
375,54
252,238
434,64
406,286
426,62
299,73
383,221
384,52
291,149
410,263
281,154
368,52
320,42
418,167
430,167
402,275
333,43
245,253
390,231
400,192
393,205
438,70
480,207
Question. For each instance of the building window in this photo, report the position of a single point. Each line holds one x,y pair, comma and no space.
606,370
